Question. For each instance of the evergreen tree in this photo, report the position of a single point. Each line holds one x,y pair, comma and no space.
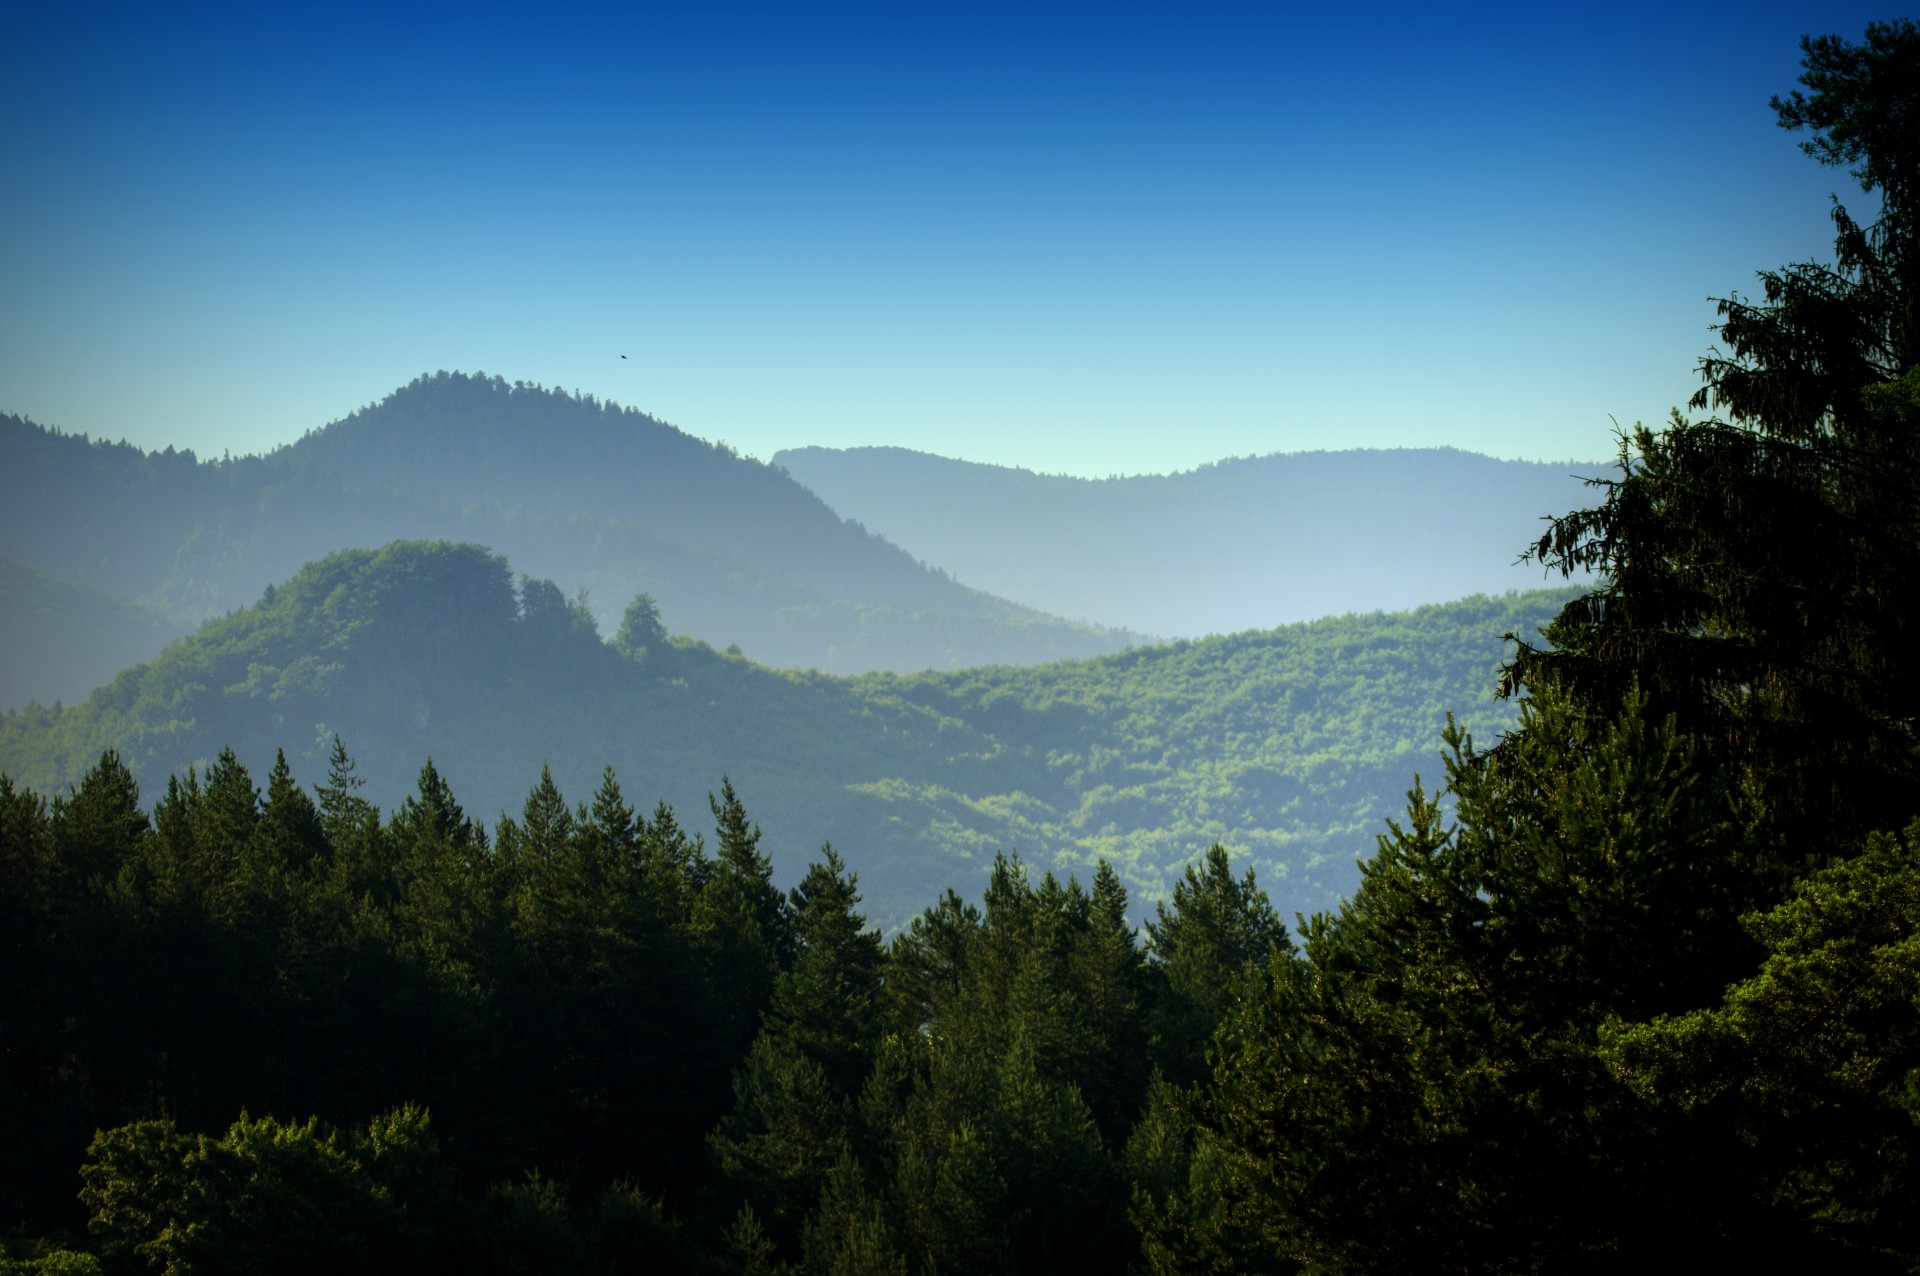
1450,1075
1801,1084
641,629
741,924
1209,947
794,1095
1757,572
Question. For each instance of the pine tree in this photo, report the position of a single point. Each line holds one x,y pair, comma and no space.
1758,572
741,925
1209,947
794,1096
1463,1068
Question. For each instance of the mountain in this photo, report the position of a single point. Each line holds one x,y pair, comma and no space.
1290,746
62,640
596,496
1240,544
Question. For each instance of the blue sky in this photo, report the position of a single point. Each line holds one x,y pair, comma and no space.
1091,239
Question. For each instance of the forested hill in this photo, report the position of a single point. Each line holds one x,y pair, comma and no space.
1239,544
1289,746
548,455
570,489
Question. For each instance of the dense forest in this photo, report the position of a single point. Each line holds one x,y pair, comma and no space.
1288,745
587,1036
1637,986
1244,543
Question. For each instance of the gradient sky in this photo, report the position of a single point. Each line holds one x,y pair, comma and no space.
1092,239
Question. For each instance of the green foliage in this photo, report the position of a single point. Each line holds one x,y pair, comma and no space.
1539,1034
268,1195
570,996
848,1235
793,1097
640,628
1211,946
51,1262
1285,746
1805,1080
1177,1176
1788,650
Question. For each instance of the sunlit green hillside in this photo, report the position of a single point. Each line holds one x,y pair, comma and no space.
1289,746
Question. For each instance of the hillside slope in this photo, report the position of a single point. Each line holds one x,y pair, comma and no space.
60,641
1290,746
591,495
1239,544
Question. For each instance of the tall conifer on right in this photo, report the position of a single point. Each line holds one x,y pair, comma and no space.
1467,1067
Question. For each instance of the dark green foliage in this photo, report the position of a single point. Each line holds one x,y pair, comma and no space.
270,1196
789,1127
828,1004
568,998
1802,1082
45,1258
849,1235
955,1104
1017,1040
1758,571
794,1096
543,989
1638,995
308,1197
1216,937
1426,1069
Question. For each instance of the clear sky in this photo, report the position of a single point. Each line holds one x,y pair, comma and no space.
1099,238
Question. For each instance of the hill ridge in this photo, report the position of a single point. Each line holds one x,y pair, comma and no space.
1288,745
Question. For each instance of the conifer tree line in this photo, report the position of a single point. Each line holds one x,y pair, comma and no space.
258,1028
1636,984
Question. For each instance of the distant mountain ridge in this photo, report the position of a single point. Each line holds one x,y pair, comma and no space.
1239,544
589,494
478,440
1290,746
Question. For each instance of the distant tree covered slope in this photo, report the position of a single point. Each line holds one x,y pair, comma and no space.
552,455
1289,746
1240,544
58,641
581,492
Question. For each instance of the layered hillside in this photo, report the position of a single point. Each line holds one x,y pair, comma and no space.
1290,746
1240,544
593,496
59,639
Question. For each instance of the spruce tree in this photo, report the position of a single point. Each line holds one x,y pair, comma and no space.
1464,1067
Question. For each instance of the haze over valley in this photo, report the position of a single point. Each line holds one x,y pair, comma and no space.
1289,745
1244,543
